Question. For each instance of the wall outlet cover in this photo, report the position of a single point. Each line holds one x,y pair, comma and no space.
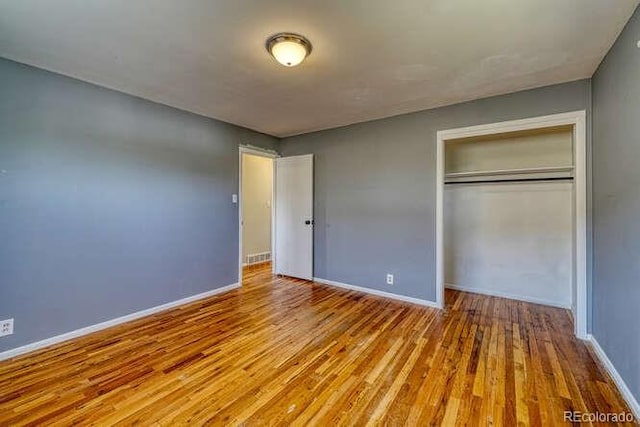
389,279
6,327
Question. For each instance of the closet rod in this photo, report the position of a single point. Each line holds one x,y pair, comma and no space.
489,181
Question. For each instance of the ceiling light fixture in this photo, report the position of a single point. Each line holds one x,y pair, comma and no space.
288,49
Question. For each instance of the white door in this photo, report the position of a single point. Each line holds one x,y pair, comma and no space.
294,216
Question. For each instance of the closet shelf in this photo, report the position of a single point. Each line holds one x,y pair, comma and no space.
524,171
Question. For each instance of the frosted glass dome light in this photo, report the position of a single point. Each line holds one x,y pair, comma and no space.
288,49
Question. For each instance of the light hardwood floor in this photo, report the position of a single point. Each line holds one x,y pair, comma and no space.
289,352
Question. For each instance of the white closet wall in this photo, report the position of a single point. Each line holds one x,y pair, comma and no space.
510,239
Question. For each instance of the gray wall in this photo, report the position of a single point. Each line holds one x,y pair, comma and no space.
616,195
109,204
375,187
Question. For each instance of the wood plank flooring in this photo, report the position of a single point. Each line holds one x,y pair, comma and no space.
281,351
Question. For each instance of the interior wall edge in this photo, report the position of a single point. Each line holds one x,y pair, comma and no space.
616,203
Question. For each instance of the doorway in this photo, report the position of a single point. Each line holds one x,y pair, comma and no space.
550,199
256,200
275,215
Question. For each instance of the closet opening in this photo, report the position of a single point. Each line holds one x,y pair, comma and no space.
511,212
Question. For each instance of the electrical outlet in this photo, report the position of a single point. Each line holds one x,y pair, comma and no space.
6,327
389,279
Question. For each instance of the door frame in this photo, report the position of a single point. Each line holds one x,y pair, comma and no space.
577,119
260,152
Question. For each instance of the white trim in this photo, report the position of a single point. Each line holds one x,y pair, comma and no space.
562,119
274,207
260,152
257,151
493,293
375,292
440,219
577,119
109,323
580,224
622,386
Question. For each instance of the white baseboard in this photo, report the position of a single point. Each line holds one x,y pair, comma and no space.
376,292
109,323
622,386
506,295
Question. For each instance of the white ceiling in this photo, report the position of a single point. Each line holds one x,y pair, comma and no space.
371,58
